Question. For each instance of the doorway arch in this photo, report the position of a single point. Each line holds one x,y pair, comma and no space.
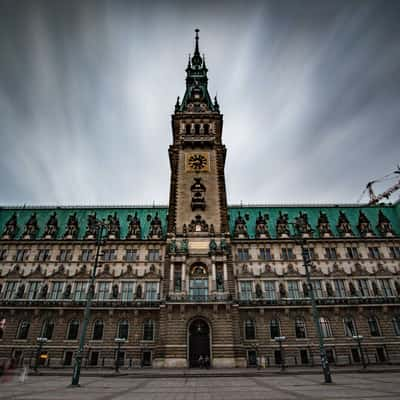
199,341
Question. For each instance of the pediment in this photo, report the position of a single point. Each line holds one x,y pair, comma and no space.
128,273
60,273
38,272
15,272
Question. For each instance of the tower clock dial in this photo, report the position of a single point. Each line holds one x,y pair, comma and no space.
197,162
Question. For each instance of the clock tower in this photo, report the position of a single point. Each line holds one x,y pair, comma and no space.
198,206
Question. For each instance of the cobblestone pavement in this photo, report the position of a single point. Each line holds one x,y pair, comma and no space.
350,386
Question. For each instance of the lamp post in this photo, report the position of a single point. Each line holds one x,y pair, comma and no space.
86,316
119,342
40,341
358,339
280,340
315,313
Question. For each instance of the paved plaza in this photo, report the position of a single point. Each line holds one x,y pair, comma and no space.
303,387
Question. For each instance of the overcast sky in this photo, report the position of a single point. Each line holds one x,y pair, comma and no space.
310,92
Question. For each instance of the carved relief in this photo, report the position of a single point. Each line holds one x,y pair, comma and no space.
198,225
198,195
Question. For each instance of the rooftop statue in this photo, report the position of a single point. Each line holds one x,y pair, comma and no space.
72,227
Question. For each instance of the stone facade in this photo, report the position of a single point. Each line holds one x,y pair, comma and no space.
199,279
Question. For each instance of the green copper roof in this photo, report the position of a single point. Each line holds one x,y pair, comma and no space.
249,213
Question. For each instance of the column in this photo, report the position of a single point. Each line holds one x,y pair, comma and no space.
171,277
225,277
183,277
213,277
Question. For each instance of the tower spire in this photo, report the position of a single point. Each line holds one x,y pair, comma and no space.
196,59
196,50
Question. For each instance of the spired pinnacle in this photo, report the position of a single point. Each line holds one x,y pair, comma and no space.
196,59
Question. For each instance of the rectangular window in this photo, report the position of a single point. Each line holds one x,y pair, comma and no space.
198,289
3,254
33,290
65,255
128,289
293,289
265,254
363,287
148,329
43,255
86,255
109,255
131,255
56,290
80,291
270,290
317,287
330,253
177,279
11,290
104,290
395,252
373,252
287,253
153,255
249,329
352,253
374,327
349,327
22,255
386,288
243,254
151,291
246,290
340,289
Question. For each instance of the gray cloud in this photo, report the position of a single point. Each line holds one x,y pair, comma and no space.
309,92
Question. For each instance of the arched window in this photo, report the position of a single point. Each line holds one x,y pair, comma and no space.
349,327
73,328
274,328
206,129
47,329
300,328
187,129
23,330
197,129
249,329
325,326
374,326
98,329
396,325
123,329
148,329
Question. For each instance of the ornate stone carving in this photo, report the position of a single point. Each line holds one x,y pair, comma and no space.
282,227
282,290
259,293
51,227
240,230
92,226
155,228
31,228
302,225
71,232
212,246
113,226
198,225
261,226
343,226
11,228
134,230
384,226
323,225
364,226
198,195
173,247
329,289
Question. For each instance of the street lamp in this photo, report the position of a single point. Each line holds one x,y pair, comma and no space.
119,342
280,340
40,341
307,263
86,316
358,339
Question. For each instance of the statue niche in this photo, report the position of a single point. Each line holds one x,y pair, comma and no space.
384,226
134,230
51,227
364,226
31,228
113,226
323,225
198,225
240,230
343,226
261,226
11,227
198,195
71,232
282,225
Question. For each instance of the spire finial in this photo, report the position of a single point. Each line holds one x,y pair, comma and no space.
196,51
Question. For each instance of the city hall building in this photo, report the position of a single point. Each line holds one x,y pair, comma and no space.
199,278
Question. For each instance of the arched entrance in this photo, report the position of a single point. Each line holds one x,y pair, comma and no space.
199,342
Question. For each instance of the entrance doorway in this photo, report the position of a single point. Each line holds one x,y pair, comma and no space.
199,344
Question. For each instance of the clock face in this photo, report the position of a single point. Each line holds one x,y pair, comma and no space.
197,161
